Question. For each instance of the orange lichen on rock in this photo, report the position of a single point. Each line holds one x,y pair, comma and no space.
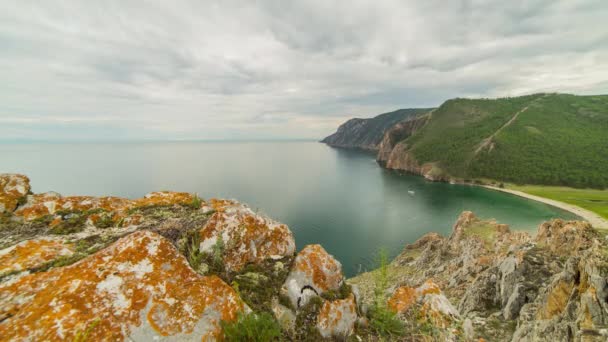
247,237
337,318
13,187
434,305
164,198
566,237
139,288
221,204
40,205
32,253
403,298
313,270
556,300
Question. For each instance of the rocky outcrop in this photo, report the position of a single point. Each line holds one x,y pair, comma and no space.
168,266
367,134
508,286
13,189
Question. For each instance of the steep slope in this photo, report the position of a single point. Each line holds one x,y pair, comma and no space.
552,139
366,134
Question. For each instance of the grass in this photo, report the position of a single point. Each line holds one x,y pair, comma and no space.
590,199
254,327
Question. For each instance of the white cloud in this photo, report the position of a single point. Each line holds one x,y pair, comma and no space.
266,69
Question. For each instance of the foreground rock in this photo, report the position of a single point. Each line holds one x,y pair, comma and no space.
165,266
140,288
244,236
314,273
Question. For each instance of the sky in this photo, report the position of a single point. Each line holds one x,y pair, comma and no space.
224,70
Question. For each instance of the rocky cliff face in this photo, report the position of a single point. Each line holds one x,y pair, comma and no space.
394,154
171,266
502,285
367,134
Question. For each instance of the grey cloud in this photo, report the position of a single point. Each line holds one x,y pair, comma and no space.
221,69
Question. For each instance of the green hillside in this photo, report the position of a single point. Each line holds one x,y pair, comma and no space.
553,139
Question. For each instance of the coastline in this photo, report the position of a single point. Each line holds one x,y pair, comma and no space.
596,220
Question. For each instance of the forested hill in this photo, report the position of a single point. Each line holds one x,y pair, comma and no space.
366,134
554,139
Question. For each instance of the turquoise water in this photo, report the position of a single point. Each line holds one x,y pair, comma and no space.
339,198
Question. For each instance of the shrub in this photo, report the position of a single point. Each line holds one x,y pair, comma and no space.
252,328
383,321
196,202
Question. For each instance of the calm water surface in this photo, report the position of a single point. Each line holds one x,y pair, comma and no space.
338,198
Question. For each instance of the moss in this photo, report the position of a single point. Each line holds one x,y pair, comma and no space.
341,293
105,221
59,262
259,283
74,223
306,321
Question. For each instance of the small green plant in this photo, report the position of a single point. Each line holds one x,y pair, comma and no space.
196,202
193,253
218,252
383,321
254,327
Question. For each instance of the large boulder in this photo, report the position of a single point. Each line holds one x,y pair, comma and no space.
140,288
314,272
13,189
243,236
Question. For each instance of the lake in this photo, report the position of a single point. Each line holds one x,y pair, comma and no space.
340,199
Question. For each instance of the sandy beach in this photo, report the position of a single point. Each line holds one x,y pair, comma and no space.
593,218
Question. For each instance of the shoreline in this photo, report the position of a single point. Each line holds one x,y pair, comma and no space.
596,220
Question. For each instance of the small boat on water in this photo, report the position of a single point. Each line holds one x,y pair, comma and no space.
411,192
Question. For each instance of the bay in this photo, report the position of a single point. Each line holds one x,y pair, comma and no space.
340,199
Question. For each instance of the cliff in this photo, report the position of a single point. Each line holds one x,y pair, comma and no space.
367,134
172,266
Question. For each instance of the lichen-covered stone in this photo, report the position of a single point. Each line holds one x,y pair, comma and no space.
314,272
139,288
159,198
32,253
434,305
245,236
49,203
337,318
566,237
13,188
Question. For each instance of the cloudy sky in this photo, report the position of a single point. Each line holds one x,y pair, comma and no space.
107,70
